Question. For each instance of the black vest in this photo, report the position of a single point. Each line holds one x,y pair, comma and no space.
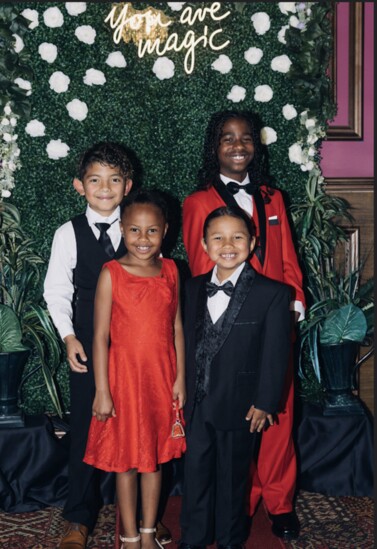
90,258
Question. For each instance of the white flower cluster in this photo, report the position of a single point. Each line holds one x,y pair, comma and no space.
163,68
301,9
9,152
175,6
303,153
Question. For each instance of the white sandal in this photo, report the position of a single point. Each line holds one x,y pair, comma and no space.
151,531
129,540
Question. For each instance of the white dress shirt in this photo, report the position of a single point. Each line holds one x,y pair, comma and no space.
245,201
218,303
58,284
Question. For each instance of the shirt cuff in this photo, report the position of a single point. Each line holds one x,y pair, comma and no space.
299,308
66,330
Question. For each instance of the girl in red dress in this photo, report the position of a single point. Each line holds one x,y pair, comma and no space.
140,377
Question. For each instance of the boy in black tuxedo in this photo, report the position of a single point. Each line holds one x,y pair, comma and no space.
237,337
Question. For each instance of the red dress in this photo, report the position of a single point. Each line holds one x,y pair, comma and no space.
142,371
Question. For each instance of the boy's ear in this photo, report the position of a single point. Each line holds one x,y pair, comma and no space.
252,243
128,186
78,186
203,243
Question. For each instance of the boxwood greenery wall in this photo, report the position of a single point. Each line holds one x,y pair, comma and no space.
163,120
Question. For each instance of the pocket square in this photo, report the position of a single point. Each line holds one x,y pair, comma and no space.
273,220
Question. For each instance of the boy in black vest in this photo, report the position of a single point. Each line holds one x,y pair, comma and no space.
237,340
80,248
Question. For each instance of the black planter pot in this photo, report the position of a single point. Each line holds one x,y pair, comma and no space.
11,369
338,363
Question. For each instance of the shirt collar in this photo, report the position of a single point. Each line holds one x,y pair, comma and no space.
226,179
233,277
94,217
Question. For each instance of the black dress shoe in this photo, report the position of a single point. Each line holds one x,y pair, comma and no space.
188,546
237,546
285,525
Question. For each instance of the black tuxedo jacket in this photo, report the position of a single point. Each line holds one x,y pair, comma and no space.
249,357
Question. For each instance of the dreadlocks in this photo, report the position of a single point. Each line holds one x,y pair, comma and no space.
210,167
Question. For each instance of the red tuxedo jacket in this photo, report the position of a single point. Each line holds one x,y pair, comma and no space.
280,262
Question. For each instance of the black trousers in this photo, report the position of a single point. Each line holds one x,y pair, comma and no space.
84,498
216,482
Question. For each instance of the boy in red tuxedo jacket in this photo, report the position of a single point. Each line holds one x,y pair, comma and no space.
232,174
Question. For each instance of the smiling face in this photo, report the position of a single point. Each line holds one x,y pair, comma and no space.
104,187
236,149
228,244
143,227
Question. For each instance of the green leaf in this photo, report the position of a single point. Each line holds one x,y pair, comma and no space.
347,323
10,331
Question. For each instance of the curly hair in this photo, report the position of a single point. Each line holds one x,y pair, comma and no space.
108,153
210,164
145,196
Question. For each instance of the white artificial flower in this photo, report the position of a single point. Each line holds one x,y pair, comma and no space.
35,128
309,165
311,139
268,135
23,84
310,123
53,18
7,137
78,110
285,7
7,110
48,52
57,149
33,16
5,122
75,8
295,153
19,43
281,63
5,193
281,34
94,77
116,59
222,64
86,34
163,68
12,166
312,151
253,55
175,6
261,22
236,94
13,121
289,112
294,21
59,82
263,93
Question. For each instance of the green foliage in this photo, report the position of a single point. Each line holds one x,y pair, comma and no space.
10,330
23,318
12,64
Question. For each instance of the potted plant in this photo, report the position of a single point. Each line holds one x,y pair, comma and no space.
25,326
340,310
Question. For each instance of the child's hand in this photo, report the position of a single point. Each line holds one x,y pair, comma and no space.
179,392
103,406
74,348
257,419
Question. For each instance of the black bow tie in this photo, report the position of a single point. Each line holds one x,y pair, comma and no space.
213,288
234,187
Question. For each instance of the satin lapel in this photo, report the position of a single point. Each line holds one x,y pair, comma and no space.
241,290
226,196
260,249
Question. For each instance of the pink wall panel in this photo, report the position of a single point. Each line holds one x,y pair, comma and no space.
352,159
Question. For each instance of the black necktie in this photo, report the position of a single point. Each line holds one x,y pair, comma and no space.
234,187
213,288
104,239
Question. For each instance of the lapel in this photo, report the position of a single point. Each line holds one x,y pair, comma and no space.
228,198
239,295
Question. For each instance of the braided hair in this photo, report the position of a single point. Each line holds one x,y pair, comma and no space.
211,167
